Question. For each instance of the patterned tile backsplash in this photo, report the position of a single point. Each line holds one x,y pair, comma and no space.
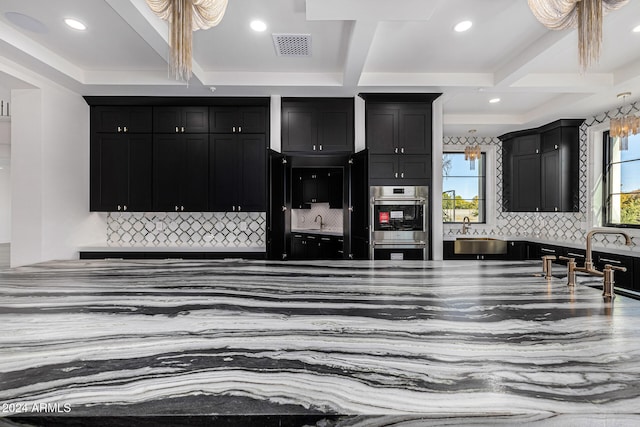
568,227
193,229
304,218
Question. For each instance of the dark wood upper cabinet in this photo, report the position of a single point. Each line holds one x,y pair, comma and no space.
154,154
541,168
399,138
181,119
317,125
231,119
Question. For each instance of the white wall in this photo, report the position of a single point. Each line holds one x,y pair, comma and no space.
5,180
50,175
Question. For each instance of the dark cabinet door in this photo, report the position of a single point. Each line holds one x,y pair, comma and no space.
382,129
335,186
551,181
140,173
232,119
238,173
180,174
252,173
194,183
335,126
525,185
383,167
299,128
415,168
120,173
319,125
277,215
415,130
298,247
109,172
224,168
121,119
358,240
399,169
181,119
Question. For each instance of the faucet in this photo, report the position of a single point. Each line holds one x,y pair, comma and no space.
316,220
466,224
588,259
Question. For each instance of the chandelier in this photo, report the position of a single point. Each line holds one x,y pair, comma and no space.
621,127
185,17
586,15
472,153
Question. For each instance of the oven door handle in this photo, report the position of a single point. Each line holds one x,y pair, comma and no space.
400,199
399,242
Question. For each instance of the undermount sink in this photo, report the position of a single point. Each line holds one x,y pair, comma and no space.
479,246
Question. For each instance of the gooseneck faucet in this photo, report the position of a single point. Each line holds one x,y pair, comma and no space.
466,224
316,220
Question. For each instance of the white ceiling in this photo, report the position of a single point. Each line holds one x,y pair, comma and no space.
357,46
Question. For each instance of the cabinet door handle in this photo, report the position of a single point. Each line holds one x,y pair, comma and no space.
177,130
402,150
118,207
395,150
537,151
119,129
314,148
233,129
320,147
233,208
537,209
176,208
612,261
240,129
125,129
555,209
555,146
181,208
239,208
182,129
124,208
402,175
396,174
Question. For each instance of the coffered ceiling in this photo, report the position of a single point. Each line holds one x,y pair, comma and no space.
356,46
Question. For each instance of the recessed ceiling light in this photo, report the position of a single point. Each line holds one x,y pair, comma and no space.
258,25
636,29
494,100
463,26
75,24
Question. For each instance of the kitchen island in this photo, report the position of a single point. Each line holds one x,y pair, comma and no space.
315,342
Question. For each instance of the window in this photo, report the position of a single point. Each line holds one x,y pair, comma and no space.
621,182
463,192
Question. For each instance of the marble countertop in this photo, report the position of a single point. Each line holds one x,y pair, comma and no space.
326,231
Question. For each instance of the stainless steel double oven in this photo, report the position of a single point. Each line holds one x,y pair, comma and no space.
399,223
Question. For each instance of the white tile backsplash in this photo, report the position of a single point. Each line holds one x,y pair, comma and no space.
305,218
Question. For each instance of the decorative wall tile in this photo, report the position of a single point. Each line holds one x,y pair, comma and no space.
565,226
193,229
304,218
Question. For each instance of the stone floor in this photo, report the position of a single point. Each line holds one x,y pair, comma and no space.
341,344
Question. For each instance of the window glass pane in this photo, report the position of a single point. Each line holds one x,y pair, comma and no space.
464,189
622,174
